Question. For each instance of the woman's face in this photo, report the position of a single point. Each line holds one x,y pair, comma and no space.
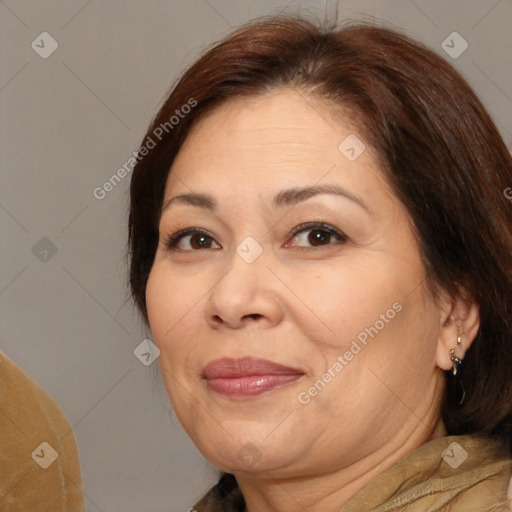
337,309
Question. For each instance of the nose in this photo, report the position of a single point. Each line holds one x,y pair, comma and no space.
247,295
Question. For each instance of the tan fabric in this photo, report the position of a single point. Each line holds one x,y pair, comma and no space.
28,418
424,481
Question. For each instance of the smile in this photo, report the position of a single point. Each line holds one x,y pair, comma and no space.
247,377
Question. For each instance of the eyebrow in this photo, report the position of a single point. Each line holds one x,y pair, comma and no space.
286,197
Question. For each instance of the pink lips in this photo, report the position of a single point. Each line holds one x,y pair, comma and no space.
247,377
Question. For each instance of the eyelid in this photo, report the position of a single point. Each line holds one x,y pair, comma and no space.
307,226
171,240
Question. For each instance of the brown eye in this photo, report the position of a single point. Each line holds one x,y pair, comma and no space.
200,241
317,235
191,239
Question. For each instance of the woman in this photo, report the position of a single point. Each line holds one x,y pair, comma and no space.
322,248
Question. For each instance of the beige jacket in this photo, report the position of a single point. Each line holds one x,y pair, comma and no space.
39,465
450,474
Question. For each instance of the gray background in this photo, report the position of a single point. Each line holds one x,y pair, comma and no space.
68,123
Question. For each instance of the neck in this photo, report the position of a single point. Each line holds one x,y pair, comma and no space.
267,492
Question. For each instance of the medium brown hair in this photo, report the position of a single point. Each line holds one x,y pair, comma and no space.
436,145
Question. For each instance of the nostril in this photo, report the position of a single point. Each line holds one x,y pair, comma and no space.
218,319
254,316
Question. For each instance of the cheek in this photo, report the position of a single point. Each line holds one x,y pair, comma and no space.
345,299
172,317
375,316
170,304
373,365
158,294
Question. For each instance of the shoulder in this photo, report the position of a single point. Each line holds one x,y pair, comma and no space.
38,446
467,473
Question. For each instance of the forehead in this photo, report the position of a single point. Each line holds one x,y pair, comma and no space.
281,138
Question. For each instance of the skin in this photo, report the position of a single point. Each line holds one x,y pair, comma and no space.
301,304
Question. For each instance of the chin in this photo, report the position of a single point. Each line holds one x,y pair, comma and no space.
252,451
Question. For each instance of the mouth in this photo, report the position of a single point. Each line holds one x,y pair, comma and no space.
247,377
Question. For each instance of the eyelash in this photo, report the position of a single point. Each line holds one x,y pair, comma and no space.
173,239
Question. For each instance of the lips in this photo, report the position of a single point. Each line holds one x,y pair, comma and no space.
248,376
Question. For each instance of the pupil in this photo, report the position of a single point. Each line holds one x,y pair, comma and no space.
200,240
318,236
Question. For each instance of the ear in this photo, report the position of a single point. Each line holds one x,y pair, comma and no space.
459,317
